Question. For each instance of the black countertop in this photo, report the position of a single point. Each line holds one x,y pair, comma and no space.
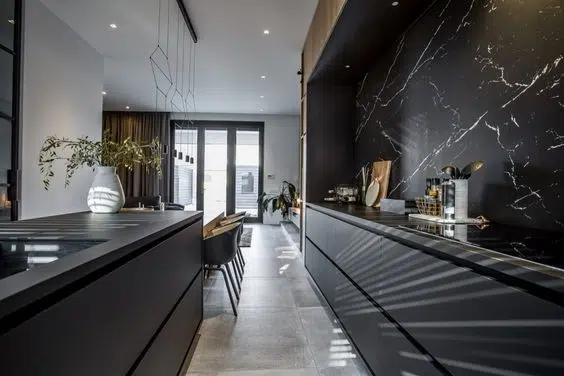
530,255
40,256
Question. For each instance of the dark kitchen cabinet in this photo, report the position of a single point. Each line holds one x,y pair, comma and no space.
398,303
470,321
105,327
171,346
319,228
385,349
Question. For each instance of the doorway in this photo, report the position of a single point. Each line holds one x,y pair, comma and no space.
218,166
10,84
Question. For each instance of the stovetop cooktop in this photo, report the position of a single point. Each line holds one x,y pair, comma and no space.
544,247
20,255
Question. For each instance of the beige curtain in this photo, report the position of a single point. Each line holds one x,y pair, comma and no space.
142,126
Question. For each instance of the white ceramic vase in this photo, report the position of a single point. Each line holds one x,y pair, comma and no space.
106,193
460,199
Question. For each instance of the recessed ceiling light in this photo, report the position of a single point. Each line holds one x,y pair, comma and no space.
104,93
347,66
266,32
263,77
12,22
113,26
395,3
262,96
127,107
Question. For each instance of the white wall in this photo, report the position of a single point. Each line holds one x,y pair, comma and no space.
62,84
281,147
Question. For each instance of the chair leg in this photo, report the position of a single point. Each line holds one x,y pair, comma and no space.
238,269
241,254
237,272
228,269
227,286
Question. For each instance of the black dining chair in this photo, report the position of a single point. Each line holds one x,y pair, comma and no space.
238,261
220,249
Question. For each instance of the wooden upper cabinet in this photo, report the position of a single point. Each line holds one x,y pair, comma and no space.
324,19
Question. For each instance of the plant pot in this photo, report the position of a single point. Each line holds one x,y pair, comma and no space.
106,193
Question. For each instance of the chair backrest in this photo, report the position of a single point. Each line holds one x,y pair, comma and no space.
146,201
241,229
227,221
220,246
173,206
208,227
236,214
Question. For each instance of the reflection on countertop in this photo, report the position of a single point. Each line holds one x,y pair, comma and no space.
543,247
20,255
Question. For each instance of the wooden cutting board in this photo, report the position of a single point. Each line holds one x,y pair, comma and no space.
381,172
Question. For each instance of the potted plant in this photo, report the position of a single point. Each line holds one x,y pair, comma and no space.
283,201
106,193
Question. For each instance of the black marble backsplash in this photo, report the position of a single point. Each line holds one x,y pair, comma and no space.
470,80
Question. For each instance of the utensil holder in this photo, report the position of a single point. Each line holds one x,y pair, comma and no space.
460,199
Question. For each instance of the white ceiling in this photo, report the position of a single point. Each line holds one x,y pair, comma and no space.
231,54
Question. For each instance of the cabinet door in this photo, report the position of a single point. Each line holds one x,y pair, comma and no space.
383,347
166,354
469,322
104,327
319,228
356,252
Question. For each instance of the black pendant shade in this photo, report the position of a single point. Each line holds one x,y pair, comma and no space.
187,158
180,155
165,149
175,153
191,160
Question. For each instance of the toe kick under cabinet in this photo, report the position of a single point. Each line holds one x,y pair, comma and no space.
411,313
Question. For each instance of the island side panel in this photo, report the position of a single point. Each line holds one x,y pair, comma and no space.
104,328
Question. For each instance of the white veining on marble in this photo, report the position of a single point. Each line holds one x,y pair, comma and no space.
430,112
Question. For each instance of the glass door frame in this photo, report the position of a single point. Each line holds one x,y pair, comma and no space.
232,127
14,174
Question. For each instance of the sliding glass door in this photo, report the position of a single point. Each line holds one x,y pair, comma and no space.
10,47
184,183
247,171
215,172
227,171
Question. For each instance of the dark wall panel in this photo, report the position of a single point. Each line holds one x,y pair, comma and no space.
330,123
473,79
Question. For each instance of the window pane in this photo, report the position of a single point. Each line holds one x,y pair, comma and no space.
215,173
6,23
247,172
6,79
5,164
185,173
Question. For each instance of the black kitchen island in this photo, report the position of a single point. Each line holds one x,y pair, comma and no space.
100,294
425,299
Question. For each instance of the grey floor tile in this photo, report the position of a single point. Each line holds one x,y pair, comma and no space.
266,292
349,370
251,352
273,372
330,347
275,322
282,328
304,293
264,372
280,265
